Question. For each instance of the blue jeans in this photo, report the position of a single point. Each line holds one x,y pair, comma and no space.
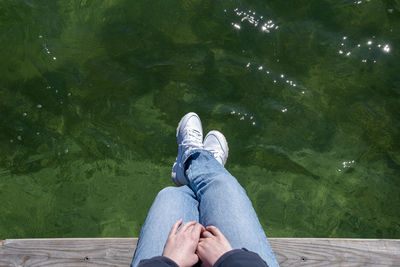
212,197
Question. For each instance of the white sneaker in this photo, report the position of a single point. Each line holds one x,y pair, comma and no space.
190,136
216,143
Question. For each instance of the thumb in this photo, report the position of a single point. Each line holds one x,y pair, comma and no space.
214,230
175,227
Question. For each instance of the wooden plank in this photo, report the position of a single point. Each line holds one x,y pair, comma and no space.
119,252
67,252
336,252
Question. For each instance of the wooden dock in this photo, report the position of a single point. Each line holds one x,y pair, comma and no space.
119,252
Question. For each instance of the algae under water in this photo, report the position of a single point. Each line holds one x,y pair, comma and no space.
306,92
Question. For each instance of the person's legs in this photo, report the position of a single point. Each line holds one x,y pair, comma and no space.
224,204
171,204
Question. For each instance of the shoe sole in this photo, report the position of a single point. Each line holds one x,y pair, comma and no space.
222,140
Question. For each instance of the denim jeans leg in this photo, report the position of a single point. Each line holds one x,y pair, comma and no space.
224,203
171,204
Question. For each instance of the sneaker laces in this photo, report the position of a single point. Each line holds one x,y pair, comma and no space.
192,137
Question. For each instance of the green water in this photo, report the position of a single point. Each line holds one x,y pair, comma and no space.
307,93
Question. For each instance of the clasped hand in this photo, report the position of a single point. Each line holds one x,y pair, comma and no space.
193,242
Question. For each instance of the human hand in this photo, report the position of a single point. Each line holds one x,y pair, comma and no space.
181,246
212,245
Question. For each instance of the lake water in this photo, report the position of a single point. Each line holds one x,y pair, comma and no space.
306,92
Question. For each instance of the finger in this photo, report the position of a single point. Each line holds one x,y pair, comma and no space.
214,230
199,249
196,230
195,257
201,253
175,227
206,234
187,226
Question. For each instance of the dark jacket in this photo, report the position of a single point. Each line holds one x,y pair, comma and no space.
233,258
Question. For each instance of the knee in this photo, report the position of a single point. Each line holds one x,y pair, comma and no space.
167,192
172,193
172,197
